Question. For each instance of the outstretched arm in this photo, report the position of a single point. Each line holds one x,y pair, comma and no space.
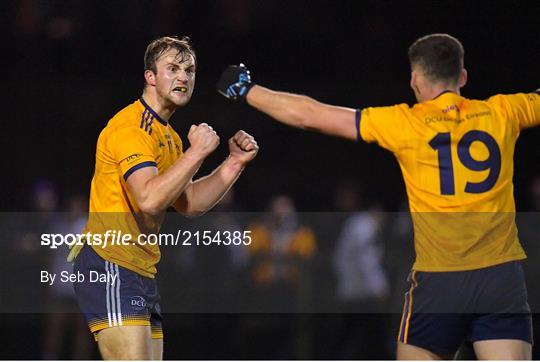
291,109
304,112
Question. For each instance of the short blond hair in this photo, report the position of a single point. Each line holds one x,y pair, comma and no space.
159,46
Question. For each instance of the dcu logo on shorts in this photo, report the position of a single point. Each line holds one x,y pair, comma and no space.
138,302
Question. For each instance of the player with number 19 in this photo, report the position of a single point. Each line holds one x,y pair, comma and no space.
456,157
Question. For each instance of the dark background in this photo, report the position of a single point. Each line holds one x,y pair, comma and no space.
69,66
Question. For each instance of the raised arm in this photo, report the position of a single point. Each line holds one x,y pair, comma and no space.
291,109
154,192
202,194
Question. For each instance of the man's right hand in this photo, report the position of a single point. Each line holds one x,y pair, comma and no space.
203,139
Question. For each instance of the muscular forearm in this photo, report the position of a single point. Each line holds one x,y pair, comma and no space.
292,109
205,192
163,190
304,112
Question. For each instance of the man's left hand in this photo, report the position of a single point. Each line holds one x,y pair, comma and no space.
243,147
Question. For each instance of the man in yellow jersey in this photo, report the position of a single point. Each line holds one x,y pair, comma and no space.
456,156
141,170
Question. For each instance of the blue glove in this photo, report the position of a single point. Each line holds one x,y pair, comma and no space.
235,82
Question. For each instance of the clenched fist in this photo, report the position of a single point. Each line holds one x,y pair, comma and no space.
203,139
243,147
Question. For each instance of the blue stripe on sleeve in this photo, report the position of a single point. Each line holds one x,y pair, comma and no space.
139,166
357,117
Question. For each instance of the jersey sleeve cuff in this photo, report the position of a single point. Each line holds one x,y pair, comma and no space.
357,118
138,167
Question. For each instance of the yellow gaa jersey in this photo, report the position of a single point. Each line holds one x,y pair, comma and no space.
456,157
134,138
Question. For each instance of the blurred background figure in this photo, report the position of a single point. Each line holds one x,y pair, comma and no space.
65,333
43,202
280,244
362,285
358,258
226,217
45,197
279,281
535,193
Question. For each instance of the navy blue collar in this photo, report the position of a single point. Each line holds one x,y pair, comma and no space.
153,113
443,92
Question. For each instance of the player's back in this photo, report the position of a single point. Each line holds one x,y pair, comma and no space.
456,156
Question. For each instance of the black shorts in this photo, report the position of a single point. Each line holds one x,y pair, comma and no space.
110,295
444,309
